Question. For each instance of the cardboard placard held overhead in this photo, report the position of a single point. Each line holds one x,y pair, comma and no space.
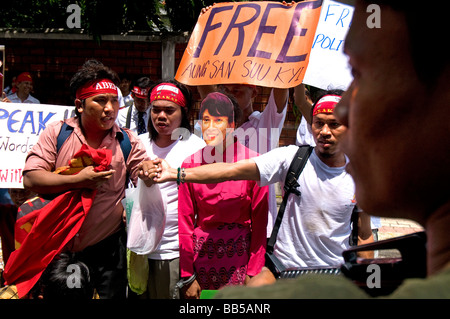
261,43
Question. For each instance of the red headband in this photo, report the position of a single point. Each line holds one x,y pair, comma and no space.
102,86
326,104
140,92
169,92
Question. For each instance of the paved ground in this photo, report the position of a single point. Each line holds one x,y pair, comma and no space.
397,227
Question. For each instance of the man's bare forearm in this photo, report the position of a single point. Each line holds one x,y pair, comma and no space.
213,173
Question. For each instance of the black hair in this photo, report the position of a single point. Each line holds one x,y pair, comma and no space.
64,278
143,82
90,71
185,110
219,109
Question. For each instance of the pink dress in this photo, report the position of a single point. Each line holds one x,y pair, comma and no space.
222,227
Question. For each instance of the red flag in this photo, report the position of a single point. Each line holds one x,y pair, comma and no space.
43,233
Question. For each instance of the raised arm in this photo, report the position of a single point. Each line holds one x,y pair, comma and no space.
281,97
160,171
302,103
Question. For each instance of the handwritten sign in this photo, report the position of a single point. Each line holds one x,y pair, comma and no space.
328,65
261,43
20,126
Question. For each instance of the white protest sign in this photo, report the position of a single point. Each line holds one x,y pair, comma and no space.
328,65
20,126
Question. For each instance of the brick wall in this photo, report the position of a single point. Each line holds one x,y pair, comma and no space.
53,62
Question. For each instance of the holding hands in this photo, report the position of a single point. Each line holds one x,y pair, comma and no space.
156,171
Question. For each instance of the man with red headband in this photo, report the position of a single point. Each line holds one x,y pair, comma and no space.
315,229
136,116
100,242
24,86
170,137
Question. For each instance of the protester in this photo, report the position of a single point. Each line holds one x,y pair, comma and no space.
222,227
136,116
100,242
317,226
24,86
171,138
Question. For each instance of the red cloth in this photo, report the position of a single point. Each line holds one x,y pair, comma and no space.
43,233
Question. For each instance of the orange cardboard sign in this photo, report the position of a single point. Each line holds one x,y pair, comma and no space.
261,43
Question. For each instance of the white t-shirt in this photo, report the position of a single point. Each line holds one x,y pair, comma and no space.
315,228
261,133
174,154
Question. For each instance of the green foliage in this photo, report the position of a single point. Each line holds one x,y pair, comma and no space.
101,17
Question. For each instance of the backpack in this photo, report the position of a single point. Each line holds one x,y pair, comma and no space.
39,202
66,130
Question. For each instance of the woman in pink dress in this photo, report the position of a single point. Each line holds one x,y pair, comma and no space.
222,227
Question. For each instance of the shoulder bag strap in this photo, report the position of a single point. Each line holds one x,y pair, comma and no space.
290,186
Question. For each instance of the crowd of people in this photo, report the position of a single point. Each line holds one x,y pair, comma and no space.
217,185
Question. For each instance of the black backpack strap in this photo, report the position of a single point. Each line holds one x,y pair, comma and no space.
64,133
297,165
125,144
123,138
354,221
66,130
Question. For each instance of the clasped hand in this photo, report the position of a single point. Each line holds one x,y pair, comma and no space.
154,171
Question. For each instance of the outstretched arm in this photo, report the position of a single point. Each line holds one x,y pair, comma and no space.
160,171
